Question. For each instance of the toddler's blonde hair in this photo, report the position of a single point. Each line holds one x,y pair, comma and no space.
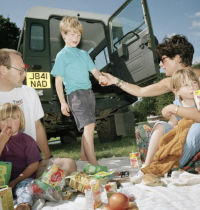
70,23
11,110
179,77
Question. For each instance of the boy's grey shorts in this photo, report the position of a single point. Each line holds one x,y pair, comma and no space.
82,106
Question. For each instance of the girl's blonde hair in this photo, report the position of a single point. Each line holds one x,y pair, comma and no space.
11,110
179,77
70,23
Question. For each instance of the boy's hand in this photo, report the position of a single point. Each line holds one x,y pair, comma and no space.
107,79
65,109
5,134
103,81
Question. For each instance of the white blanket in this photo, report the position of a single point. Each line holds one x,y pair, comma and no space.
182,191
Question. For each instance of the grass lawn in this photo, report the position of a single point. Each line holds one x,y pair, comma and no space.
103,150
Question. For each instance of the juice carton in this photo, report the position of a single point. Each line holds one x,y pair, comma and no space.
111,188
54,176
197,98
135,159
93,194
6,198
5,172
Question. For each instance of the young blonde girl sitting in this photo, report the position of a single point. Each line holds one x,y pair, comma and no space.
19,149
183,82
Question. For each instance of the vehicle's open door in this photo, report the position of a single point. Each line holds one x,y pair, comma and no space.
132,43
36,55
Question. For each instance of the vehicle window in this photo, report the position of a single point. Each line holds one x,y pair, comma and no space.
37,37
102,59
127,23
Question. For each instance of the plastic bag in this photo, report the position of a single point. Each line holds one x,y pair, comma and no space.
49,186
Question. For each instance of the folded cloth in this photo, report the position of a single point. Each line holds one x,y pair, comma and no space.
170,149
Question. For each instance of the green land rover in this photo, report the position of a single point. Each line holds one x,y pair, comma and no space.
122,44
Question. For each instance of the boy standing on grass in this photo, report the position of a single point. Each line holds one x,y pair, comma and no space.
72,67
19,149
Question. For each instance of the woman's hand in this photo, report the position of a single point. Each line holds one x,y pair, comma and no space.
103,81
111,80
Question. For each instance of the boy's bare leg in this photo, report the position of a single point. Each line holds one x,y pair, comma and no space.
88,143
153,144
83,154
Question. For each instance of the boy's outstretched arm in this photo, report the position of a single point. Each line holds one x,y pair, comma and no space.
59,88
30,169
5,135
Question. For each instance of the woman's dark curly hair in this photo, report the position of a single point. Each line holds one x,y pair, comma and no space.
176,45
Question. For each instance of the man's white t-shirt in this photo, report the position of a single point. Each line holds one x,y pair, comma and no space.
27,99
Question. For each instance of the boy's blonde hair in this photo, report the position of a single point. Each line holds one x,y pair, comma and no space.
179,77
70,23
10,110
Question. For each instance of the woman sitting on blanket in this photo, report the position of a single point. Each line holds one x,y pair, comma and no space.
184,82
175,53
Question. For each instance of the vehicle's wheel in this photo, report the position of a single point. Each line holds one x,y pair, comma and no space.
107,131
67,138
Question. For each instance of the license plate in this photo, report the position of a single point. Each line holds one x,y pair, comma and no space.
38,80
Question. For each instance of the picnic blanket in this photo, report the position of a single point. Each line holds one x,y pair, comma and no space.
181,191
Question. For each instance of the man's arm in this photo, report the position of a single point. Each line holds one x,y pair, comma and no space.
41,139
30,169
156,89
184,112
59,88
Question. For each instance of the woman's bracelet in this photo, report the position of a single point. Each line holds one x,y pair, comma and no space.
176,110
119,83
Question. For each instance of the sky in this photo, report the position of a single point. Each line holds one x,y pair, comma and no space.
168,17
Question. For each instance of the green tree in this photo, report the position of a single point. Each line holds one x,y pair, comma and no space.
149,105
196,65
9,33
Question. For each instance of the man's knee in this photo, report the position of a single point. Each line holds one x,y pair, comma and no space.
66,164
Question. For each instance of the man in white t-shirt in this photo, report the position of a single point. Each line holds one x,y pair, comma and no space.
12,75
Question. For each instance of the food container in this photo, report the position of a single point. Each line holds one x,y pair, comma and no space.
197,98
93,169
135,159
93,194
111,188
6,198
5,172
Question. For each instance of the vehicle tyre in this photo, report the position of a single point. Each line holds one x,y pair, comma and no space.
67,138
107,131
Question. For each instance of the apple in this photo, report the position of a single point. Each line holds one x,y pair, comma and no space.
107,207
119,201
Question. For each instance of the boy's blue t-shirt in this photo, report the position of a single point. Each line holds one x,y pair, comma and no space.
73,65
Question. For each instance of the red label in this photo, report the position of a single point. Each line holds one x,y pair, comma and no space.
56,177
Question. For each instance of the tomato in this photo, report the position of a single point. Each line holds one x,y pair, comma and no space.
118,201
107,207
